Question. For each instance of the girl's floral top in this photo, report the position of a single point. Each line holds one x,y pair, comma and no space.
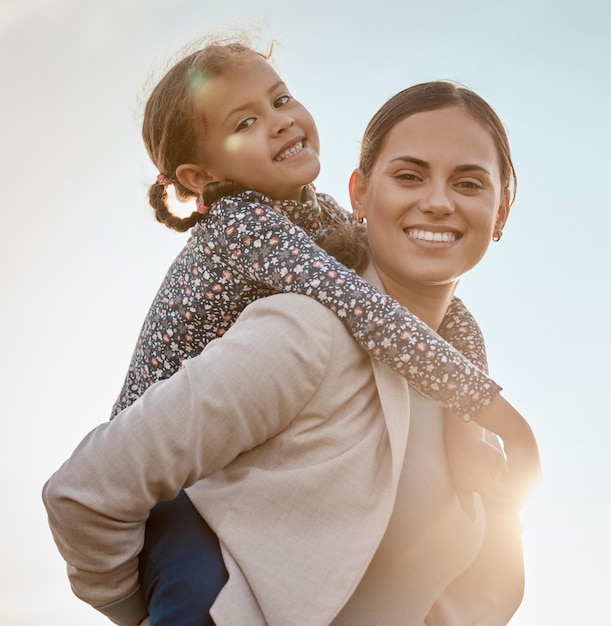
249,246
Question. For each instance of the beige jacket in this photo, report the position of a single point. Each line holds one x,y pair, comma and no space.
300,437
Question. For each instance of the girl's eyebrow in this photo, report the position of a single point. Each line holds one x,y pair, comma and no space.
243,107
275,86
467,167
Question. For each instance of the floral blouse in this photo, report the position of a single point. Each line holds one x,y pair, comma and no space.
249,246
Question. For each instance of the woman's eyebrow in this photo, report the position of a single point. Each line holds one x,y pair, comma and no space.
413,160
468,167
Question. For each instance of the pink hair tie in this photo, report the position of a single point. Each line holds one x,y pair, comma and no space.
163,180
201,207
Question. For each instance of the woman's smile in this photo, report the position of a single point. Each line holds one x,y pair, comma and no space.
423,235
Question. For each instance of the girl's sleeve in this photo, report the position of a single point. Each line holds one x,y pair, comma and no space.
461,329
265,247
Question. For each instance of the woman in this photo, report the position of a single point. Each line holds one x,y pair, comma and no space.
296,443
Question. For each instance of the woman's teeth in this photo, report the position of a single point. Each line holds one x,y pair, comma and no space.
298,147
427,235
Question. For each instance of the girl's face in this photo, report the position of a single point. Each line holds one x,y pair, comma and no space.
256,133
431,200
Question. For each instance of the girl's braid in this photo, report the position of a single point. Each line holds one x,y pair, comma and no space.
158,198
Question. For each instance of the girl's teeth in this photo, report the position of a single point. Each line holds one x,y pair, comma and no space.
291,151
427,235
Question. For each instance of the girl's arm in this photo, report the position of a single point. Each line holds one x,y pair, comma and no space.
460,329
265,247
262,246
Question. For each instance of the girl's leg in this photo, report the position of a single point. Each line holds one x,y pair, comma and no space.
181,567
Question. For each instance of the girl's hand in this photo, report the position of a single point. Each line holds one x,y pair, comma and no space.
473,462
515,481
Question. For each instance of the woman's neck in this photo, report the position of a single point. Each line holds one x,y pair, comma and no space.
428,302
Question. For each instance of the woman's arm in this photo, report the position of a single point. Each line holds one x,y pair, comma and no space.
240,391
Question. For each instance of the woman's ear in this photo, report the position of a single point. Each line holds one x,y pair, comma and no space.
193,177
357,188
503,212
501,217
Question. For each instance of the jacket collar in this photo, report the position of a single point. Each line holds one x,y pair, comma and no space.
394,396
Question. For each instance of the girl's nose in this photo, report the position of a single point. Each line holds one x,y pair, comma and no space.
282,122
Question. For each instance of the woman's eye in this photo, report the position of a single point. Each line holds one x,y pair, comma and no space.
281,101
244,124
469,184
408,177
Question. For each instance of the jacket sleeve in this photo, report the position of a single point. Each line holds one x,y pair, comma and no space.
240,391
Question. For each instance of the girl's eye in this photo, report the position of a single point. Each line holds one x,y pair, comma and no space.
244,124
281,101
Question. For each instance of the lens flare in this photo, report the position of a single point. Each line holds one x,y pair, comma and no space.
233,143
197,79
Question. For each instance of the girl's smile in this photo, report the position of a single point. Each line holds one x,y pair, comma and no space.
289,152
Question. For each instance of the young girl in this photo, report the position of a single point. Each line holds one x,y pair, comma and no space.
223,129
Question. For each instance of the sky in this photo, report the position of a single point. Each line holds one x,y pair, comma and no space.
81,256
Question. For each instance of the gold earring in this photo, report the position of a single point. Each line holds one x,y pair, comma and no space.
359,218
498,232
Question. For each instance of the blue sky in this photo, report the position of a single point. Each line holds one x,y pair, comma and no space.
81,255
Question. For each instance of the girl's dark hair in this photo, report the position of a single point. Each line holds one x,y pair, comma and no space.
430,97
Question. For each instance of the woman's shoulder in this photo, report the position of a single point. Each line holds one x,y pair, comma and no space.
302,314
307,322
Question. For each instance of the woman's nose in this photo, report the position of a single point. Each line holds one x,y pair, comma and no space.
436,200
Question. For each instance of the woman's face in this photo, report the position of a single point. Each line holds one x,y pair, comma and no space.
431,200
